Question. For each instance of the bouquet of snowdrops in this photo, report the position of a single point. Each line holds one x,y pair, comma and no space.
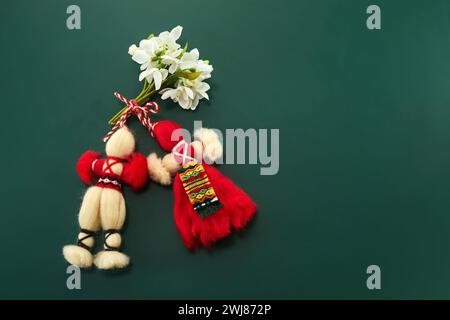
170,70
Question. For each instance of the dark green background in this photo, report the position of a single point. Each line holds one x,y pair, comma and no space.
364,119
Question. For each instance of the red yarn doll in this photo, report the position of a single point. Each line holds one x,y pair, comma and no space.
208,205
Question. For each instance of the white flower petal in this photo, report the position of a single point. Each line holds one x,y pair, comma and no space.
132,49
189,92
203,94
157,77
145,74
169,93
204,67
140,56
181,98
184,103
173,68
183,94
167,57
188,65
195,54
175,33
163,35
194,104
204,76
164,73
146,45
202,86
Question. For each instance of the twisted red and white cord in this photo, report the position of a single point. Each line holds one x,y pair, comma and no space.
142,112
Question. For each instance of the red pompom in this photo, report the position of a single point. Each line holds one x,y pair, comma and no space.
84,166
135,172
163,131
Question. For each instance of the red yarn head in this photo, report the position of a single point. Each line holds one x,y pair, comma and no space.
164,132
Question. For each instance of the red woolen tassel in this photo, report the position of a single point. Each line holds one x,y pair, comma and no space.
236,212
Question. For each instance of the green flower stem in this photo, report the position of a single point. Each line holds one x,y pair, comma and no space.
149,90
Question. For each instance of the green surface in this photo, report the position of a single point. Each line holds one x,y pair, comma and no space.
364,119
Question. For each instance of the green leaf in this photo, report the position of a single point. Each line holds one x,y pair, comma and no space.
150,36
190,75
184,50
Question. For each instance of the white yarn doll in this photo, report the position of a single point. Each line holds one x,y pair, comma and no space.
103,205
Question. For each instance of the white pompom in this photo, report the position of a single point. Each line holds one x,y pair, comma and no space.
157,171
213,151
213,148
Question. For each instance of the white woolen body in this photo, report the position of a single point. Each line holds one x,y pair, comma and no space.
105,208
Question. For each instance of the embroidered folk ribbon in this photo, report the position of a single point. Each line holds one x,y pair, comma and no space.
134,109
199,189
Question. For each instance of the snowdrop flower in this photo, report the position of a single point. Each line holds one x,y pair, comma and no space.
150,52
162,56
173,49
149,48
169,39
187,93
199,88
189,60
156,75
205,68
145,53
172,61
181,95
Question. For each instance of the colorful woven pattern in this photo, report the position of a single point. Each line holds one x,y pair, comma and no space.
198,188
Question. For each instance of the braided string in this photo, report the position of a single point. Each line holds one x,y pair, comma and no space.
142,112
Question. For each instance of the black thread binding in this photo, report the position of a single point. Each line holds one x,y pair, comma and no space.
108,233
89,234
